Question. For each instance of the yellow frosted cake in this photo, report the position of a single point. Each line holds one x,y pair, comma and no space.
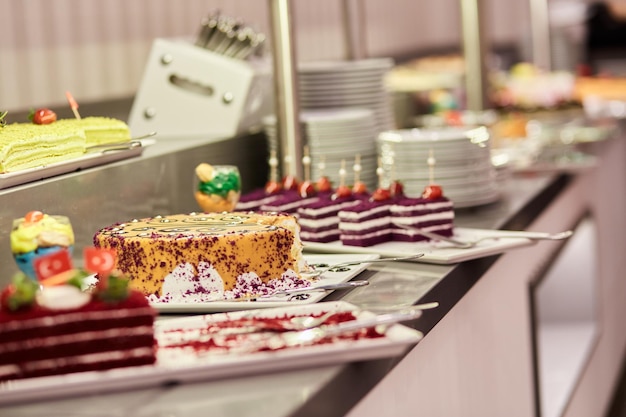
100,130
202,256
27,145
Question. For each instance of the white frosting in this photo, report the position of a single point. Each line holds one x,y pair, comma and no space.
62,297
415,220
308,211
397,208
364,225
383,232
188,285
355,216
317,223
320,235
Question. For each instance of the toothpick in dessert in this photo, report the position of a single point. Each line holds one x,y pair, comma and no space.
395,187
290,182
306,189
323,184
343,190
432,190
359,186
381,193
273,186
73,104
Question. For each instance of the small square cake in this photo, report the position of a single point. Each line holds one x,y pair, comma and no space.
319,220
366,223
431,215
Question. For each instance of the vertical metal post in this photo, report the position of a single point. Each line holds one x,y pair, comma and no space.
353,28
285,86
474,51
540,34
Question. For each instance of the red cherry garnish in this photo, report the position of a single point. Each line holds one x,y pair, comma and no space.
43,116
290,183
432,192
359,188
273,187
342,191
453,118
323,184
306,189
33,216
381,194
396,189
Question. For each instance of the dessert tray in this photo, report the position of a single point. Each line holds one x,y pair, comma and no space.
178,362
88,160
435,252
328,277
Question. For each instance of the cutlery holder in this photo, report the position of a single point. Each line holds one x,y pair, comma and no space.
189,91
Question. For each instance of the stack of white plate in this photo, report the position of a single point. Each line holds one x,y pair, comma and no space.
341,84
462,162
333,136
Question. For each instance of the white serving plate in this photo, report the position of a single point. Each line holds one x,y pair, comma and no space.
279,301
434,252
178,366
88,160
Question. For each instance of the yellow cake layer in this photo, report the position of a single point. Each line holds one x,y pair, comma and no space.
27,145
233,243
100,130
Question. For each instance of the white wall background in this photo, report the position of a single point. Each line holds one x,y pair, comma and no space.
97,49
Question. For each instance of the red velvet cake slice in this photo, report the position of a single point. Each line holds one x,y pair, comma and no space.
61,329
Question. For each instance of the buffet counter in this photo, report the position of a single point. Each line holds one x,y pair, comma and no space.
483,349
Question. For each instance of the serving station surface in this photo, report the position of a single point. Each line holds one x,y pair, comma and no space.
479,351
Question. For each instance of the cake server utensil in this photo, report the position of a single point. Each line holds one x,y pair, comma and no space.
319,271
467,244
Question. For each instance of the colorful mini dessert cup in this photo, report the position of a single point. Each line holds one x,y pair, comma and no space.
217,187
37,234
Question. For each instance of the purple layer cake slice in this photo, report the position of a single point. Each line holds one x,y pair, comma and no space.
366,223
288,202
253,200
435,216
319,220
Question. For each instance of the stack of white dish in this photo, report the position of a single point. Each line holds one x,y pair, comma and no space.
333,136
341,84
462,162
